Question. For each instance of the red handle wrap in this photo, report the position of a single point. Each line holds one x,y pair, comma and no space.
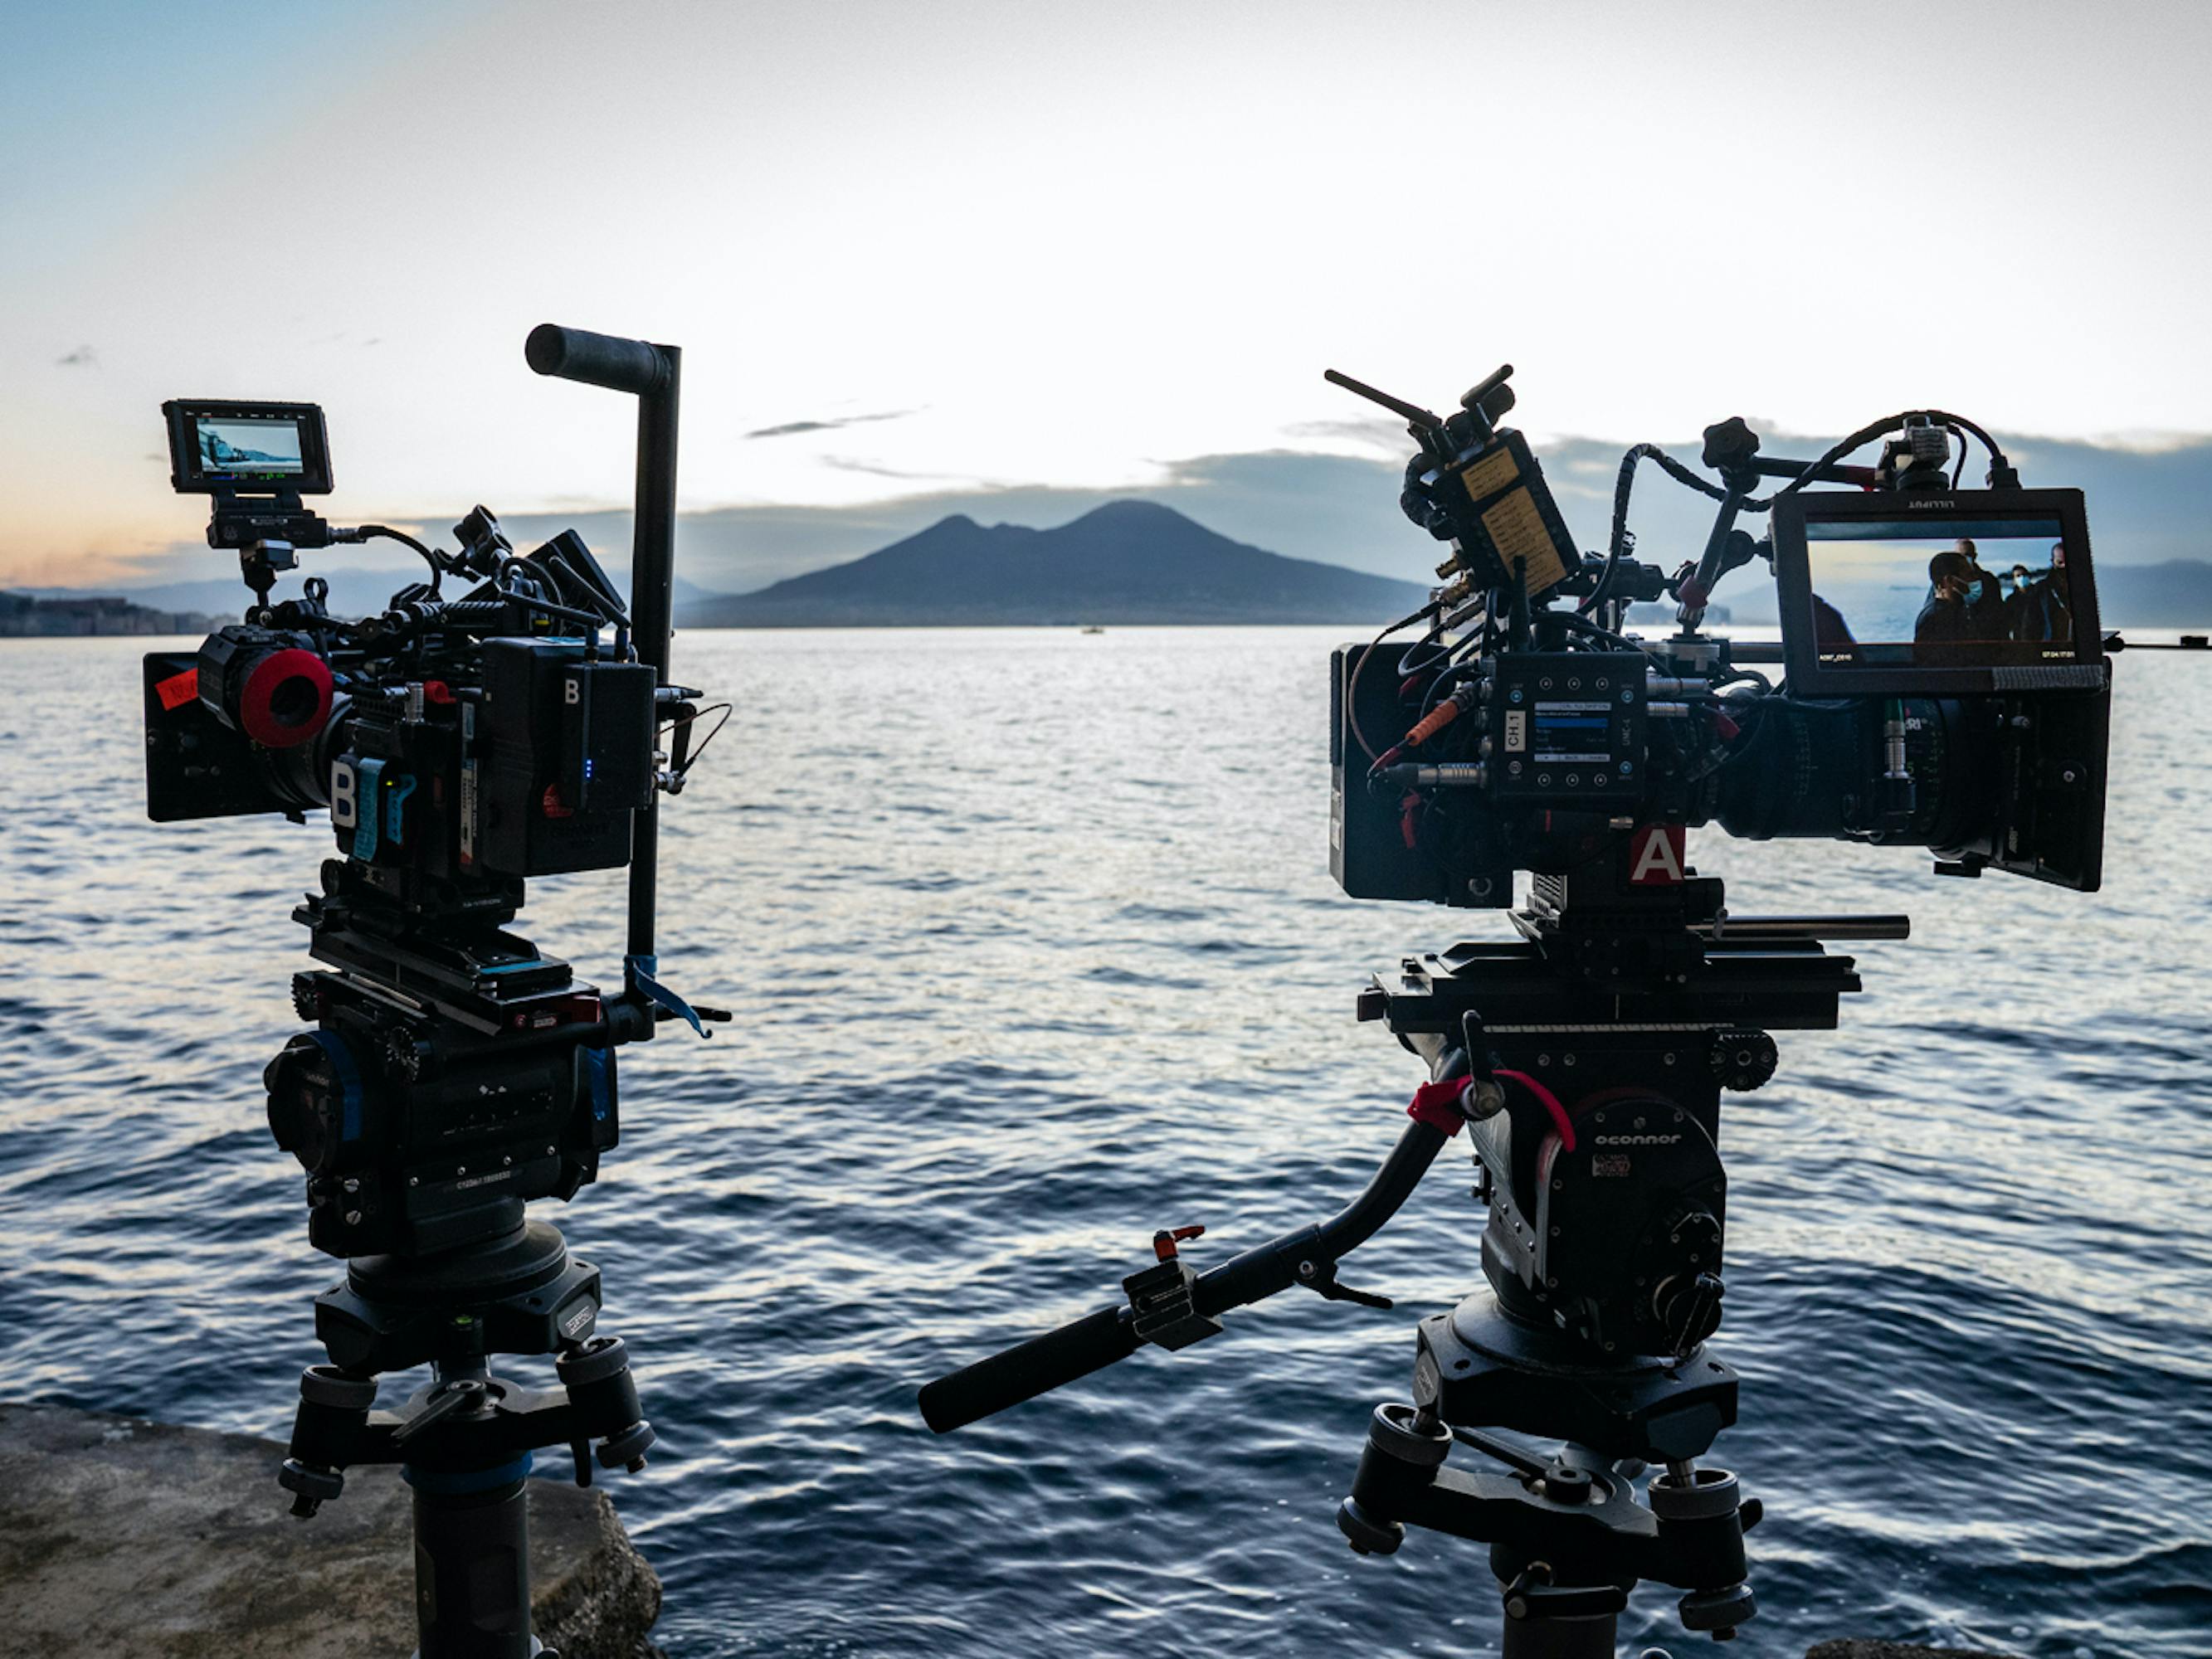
1436,1104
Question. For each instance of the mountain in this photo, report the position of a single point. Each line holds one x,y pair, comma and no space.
1128,561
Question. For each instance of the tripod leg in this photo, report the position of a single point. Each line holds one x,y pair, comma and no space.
473,1565
1560,1638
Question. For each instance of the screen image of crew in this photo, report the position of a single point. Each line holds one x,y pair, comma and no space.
254,446
1967,602
1926,594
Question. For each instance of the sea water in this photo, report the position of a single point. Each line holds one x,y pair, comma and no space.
1032,948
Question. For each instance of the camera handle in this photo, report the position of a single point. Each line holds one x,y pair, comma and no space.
653,374
1174,1314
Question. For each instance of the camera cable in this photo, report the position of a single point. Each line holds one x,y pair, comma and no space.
1352,690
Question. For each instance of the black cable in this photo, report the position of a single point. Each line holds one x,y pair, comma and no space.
1443,682
1584,625
519,571
691,760
437,566
1617,544
1729,677
1999,467
1434,607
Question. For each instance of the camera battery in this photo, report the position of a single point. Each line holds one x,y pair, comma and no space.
607,736
562,753
1510,516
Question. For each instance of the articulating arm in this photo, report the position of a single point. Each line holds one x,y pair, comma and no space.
1174,1307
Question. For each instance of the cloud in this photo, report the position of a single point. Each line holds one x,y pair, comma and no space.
1361,429
83,357
790,429
875,470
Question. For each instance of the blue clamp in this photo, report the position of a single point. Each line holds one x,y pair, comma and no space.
347,1075
369,779
394,825
638,972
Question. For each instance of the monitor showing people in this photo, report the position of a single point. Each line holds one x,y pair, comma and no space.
1976,593
260,447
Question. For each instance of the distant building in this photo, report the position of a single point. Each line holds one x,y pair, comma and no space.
22,616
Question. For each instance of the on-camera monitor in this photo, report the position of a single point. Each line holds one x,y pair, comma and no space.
1956,592
249,446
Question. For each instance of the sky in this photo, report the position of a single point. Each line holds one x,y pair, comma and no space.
1030,255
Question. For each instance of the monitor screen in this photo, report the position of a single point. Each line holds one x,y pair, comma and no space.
247,447
1955,588
1972,592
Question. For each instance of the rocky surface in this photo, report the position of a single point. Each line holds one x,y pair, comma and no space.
121,1539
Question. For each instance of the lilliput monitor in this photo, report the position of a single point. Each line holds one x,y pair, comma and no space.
247,447
1977,591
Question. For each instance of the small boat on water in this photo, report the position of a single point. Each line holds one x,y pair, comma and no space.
1094,628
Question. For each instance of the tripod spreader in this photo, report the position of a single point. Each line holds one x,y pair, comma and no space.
465,1423
1569,1537
1307,1256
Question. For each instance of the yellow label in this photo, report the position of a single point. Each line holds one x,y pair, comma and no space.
1491,474
1516,530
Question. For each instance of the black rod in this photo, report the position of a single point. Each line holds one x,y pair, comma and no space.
472,1571
1558,1638
654,373
653,587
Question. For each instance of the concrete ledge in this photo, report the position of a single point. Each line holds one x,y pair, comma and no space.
121,1536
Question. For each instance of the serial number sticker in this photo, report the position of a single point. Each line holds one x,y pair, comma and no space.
1609,1164
1492,473
1516,528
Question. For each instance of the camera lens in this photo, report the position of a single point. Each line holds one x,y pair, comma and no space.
285,698
1816,769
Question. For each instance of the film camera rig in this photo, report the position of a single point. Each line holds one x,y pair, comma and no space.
1523,731
460,743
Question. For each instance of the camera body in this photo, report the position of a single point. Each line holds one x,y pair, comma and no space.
1990,751
456,747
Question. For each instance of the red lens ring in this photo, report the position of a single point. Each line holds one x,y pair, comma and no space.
262,684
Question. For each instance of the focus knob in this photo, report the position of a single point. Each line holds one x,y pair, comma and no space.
315,1103
1690,1309
1742,1061
405,1056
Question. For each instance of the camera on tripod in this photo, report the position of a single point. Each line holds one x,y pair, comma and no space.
1944,685
503,717
494,722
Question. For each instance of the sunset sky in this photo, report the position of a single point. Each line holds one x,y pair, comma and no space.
917,251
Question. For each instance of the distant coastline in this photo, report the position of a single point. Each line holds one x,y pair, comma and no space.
25,617
1129,563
